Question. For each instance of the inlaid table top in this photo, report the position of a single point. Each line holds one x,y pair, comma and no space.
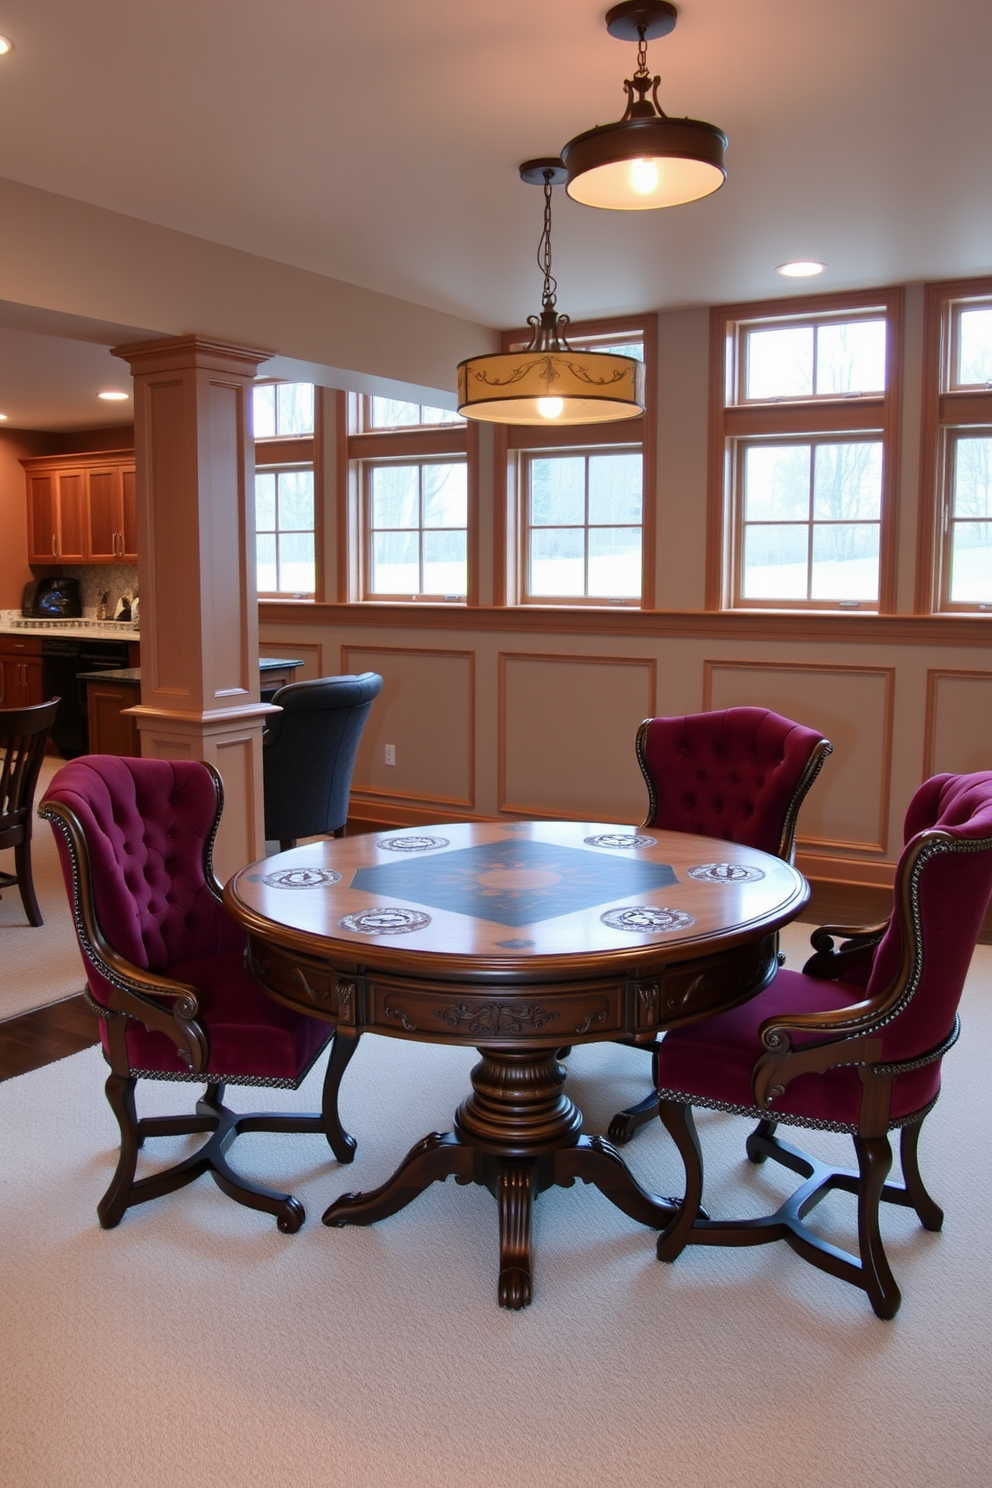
521,938
518,898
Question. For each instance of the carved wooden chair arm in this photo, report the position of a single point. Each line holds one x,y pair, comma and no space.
833,963
776,1069
143,999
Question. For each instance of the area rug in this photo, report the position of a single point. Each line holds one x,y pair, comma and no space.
196,1342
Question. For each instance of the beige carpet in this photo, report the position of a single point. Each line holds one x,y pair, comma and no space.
40,964
196,1344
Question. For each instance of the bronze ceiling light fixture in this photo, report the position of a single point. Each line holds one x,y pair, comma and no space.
645,159
549,381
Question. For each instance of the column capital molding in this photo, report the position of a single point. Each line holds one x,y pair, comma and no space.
181,353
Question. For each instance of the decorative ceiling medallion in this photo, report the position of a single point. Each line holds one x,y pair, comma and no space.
725,873
301,878
385,921
647,919
413,844
619,839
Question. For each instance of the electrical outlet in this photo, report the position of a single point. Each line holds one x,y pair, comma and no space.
390,754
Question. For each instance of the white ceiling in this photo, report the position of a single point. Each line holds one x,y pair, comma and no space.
379,143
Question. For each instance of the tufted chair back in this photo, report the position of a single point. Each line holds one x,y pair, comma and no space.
739,774
946,865
309,754
149,827
166,969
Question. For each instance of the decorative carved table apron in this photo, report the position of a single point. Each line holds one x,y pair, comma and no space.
520,938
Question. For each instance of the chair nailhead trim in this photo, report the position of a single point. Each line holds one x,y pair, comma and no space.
768,1113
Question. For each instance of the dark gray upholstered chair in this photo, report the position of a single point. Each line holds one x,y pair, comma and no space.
308,755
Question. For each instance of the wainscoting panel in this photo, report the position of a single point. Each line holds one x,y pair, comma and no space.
566,734
958,729
311,653
848,806
426,711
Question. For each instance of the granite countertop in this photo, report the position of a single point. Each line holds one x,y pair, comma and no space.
131,676
86,627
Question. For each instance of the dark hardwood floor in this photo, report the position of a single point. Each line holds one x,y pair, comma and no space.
47,1034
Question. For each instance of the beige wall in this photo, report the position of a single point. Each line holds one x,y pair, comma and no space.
70,257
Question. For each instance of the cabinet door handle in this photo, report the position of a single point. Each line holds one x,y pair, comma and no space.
55,546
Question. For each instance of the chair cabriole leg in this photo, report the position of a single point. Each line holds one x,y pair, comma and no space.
25,882
930,1214
120,1097
679,1123
874,1161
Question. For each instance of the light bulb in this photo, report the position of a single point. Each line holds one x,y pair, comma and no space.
643,177
550,408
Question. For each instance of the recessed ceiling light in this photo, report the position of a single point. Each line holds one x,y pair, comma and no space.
801,268
6,45
111,397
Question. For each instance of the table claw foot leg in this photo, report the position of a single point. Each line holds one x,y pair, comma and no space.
597,1161
433,1159
514,1197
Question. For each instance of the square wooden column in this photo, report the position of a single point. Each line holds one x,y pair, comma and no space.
196,572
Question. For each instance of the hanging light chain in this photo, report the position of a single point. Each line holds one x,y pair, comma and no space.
550,294
642,53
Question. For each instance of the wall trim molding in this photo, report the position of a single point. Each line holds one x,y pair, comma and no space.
738,625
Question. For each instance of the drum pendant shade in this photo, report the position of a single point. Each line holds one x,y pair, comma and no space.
644,160
549,382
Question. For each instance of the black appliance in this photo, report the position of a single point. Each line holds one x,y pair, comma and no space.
62,660
56,598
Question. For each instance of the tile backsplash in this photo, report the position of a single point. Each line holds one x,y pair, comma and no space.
95,580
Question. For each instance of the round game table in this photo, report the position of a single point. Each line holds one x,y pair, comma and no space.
522,939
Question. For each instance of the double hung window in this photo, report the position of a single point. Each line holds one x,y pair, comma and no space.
285,497
410,472
804,456
576,528
956,539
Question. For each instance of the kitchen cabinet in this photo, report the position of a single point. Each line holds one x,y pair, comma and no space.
82,508
111,731
20,672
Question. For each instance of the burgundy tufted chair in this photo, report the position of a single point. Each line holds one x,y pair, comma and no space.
740,774
165,967
852,1043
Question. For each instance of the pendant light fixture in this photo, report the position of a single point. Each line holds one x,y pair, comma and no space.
548,382
645,159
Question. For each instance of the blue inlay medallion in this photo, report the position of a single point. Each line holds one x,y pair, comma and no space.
514,883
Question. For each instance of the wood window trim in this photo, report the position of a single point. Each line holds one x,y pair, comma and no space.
304,450
419,462
580,601
943,410
414,443
511,438
814,416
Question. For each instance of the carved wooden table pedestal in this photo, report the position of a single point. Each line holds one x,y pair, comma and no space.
520,938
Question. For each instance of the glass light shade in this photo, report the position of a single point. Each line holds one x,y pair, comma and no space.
588,387
611,166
